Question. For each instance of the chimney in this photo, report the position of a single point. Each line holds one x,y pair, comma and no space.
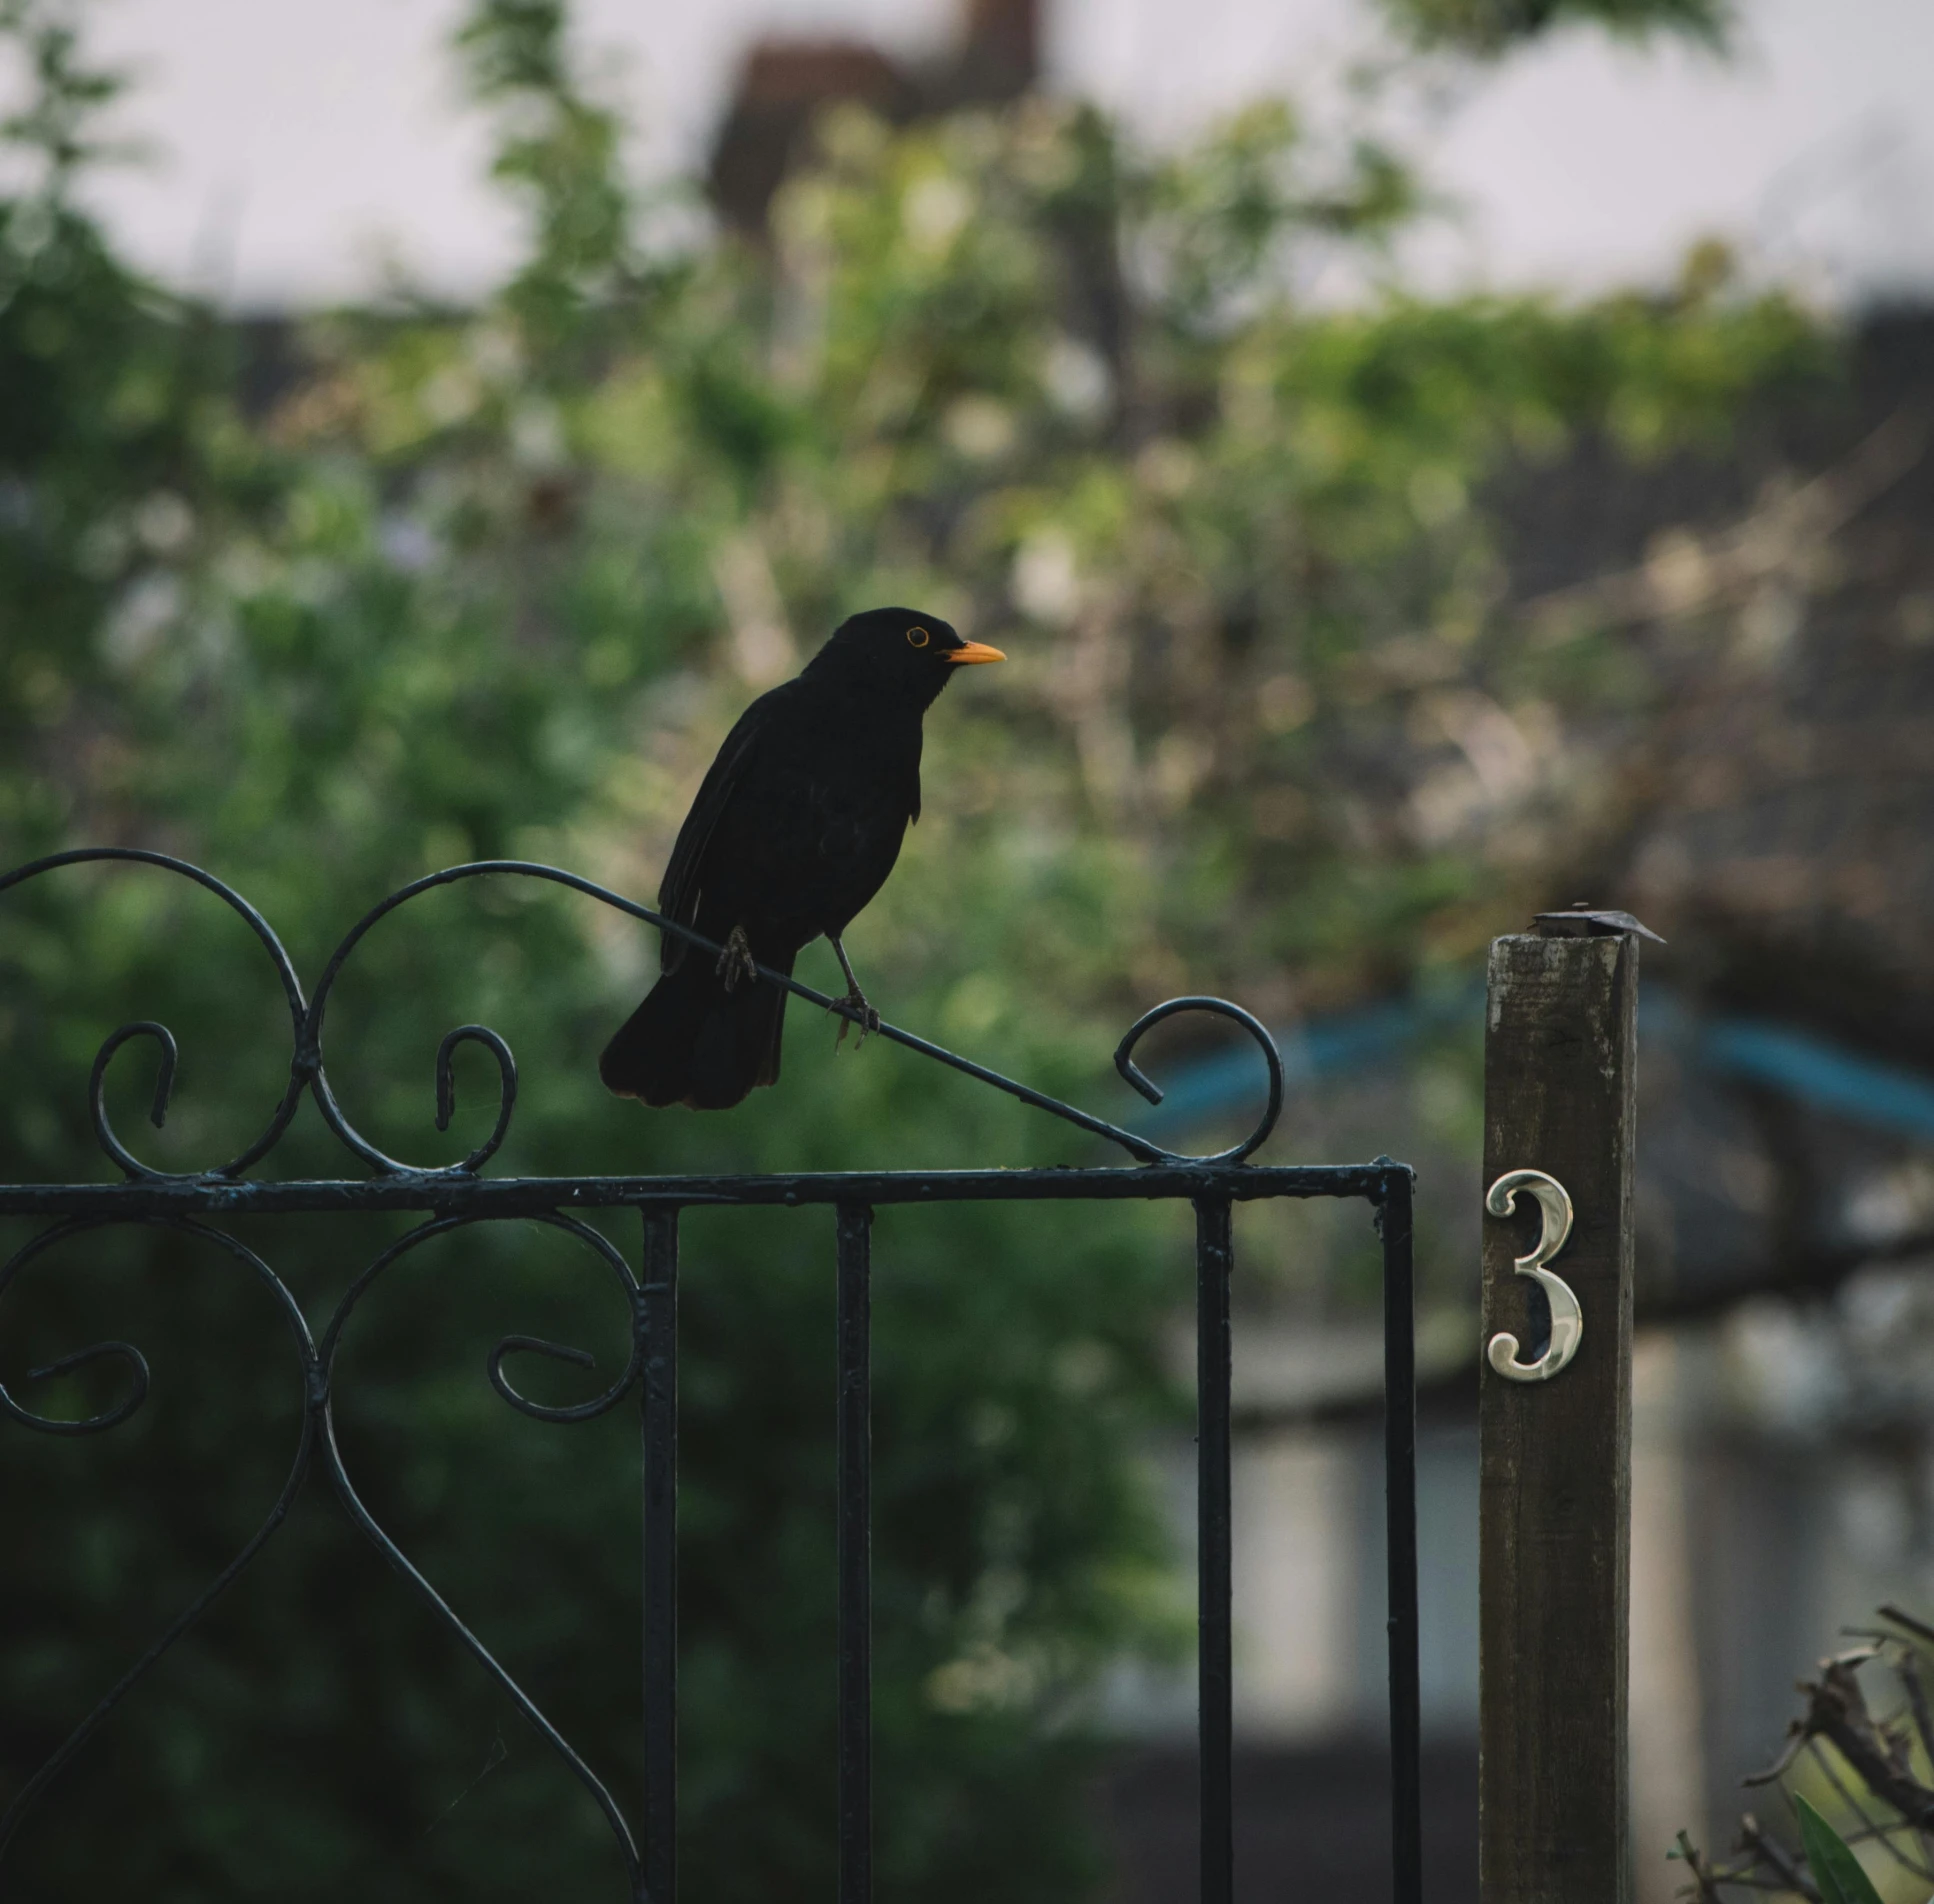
1000,54
783,87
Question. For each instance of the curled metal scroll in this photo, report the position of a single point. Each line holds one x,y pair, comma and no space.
1554,1230
1272,1062
52,1767
582,1411
164,1084
600,1244
446,1089
125,1352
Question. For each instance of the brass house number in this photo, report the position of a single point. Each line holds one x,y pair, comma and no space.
1554,1230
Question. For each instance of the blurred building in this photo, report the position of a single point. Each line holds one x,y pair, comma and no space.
784,85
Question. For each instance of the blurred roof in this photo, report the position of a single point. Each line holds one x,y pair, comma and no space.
1783,831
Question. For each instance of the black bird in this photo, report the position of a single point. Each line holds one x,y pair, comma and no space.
795,828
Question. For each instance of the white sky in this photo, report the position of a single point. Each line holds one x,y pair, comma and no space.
300,145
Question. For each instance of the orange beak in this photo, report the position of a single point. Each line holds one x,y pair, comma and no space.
972,651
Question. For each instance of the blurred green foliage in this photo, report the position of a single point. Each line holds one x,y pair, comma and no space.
1488,28
412,586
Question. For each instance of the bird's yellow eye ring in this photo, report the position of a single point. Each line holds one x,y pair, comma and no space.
918,637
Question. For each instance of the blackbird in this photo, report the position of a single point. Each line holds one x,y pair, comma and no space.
796,826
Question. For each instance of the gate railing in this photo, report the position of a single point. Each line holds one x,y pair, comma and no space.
457,1195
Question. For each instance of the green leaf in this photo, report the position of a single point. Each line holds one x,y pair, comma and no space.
1835,1869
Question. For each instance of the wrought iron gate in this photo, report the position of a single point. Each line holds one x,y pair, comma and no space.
459,1194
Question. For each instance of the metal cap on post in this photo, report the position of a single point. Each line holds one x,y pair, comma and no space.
1555,1409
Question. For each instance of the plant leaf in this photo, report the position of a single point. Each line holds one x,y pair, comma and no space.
1835,1869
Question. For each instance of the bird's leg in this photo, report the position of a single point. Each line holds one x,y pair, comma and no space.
869,1019
736,961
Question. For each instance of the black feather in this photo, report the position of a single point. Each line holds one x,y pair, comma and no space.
693,1042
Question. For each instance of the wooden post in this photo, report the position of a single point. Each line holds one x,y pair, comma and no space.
1555,1415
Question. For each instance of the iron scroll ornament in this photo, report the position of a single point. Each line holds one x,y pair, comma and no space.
1554,1231
306,1072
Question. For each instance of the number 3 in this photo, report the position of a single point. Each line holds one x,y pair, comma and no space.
1567,1318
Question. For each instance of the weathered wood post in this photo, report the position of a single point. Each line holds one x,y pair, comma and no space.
1555,1411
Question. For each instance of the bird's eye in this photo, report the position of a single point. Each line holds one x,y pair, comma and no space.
918,637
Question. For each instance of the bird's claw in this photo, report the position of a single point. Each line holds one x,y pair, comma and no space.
865,1017
736,961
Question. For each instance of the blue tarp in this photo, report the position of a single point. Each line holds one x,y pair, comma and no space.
1815,1070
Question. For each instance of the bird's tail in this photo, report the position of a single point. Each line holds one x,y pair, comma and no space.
693,1042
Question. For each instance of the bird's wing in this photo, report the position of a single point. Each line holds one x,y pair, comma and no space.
678,892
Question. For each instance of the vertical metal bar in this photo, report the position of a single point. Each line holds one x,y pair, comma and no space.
658,1304
1214,1254
854,1327
1400,1510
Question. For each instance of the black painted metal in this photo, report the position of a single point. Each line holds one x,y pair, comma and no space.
453,1196
449,1194
658,1405
1214,1262
855,1430
1400,1509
